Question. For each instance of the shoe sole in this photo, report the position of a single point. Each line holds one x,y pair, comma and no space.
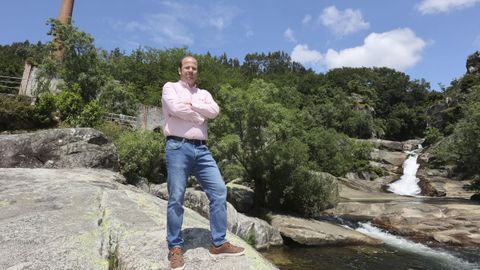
222,255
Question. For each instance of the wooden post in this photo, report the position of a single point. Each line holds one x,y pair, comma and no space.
25,79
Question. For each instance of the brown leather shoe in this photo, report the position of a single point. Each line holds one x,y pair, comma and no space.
175,257
225,250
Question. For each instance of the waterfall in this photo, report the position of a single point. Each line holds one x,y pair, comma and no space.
408,183
444,257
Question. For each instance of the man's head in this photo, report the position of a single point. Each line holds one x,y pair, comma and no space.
187,69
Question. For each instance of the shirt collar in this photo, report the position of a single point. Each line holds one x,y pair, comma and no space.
184,84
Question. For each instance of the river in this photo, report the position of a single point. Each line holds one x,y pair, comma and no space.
396,252
403,255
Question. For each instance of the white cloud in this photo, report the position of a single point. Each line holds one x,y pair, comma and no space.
172,28
161,28
343,22
302,54
398,49
288,34
438,6
218,23
307,19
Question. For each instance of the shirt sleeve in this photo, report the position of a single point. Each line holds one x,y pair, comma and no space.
177,107
208,107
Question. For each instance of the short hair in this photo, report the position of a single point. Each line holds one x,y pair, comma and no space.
180,63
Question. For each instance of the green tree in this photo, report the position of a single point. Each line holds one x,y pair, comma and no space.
336,153
81,65
250,126
141,154
16,54
466,136
91,115
69,104
118,98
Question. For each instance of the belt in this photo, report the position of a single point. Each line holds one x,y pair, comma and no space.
191,141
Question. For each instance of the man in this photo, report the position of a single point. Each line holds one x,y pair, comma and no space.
186,110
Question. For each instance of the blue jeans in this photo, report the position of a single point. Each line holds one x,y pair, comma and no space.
184,159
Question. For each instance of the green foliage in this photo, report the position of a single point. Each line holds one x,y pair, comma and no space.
81,66
311,192
17,113
252,125
118,98
91,115
16,54
432,135
335,153
283,161
75,113
359,124
69,104
216,71
44,109
141,154
275,67
466,136
145,71
399,105
279,123
468,81
250,238
263,132
113,130
462,147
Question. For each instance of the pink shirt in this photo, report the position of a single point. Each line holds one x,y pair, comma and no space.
186,110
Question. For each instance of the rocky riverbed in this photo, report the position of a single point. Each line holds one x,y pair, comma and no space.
88,219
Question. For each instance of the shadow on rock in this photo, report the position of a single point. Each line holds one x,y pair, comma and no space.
196,238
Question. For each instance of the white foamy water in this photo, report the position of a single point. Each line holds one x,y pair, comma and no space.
401,243
408,183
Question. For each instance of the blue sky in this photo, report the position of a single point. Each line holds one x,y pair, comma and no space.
427,39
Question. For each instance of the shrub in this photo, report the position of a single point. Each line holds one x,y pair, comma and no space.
17,113
69,104
142,154
462,147
359,125
113,130
432,135
311,192
117,98
45,108
335,153
91,115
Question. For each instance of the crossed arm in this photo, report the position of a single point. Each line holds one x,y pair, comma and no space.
197,111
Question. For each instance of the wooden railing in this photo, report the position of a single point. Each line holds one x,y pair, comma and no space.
122,119
9,84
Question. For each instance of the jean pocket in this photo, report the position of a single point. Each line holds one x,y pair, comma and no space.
173,144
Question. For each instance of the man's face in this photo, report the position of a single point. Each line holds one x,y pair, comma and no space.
188,71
